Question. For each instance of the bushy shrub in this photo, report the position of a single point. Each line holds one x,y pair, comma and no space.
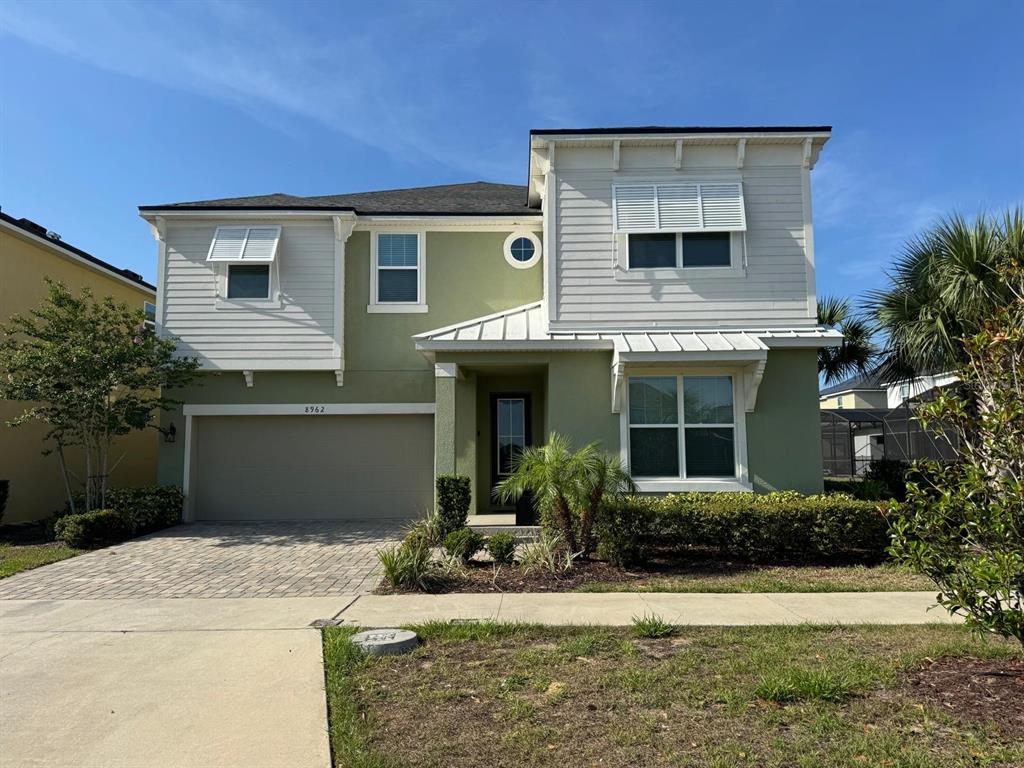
463,544
892,474
548,553
866,490
4,488
90,530
147,509
502,547
426,529
453,498
774,527
407,566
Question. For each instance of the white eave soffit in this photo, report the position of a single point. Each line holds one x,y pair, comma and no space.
245,245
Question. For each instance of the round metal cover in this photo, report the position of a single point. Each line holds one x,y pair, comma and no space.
386,642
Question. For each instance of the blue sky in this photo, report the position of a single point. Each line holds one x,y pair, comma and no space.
108,106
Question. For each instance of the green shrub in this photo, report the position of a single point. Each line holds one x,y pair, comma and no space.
892,474
426,529
407,566
866,490
453,498
548,553
463,544
90,530
502,547
5,486
774,527
147,509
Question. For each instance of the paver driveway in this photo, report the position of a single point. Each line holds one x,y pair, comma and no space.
211,560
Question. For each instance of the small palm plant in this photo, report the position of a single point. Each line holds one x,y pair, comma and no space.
570,484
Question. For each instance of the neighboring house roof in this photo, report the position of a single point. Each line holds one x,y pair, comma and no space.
860,382
664,129
478,198
524,328
43,236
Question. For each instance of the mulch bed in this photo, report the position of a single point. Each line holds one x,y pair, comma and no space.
973,691
485,577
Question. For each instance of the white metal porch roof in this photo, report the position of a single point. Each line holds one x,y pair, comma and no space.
524,328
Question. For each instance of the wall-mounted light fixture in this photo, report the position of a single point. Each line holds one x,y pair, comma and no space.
169,434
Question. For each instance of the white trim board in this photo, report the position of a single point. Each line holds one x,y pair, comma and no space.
307,409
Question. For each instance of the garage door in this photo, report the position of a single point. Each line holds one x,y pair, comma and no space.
312,467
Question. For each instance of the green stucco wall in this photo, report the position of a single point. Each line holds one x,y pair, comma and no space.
784,431
467,276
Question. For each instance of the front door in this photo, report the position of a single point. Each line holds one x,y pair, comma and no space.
510,420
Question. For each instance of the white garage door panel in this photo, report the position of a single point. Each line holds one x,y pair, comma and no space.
313,467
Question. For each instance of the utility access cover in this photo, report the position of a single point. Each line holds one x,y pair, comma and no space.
386,642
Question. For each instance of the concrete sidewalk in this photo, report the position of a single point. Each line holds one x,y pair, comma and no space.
619,608
171,683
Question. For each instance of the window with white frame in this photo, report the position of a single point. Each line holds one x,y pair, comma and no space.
245,260
682,427
397,275
678,225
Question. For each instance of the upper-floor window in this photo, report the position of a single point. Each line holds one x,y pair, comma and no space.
397,275
149,309
673,250
522,249
245,264
679,225
248,281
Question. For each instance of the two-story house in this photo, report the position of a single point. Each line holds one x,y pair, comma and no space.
649,288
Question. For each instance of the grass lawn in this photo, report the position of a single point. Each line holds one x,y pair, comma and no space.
15,558
515,695
775,578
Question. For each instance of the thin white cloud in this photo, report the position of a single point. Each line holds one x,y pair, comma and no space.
245,55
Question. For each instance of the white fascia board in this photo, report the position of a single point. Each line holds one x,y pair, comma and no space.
229,213
56,248
708,355
453,223
267,365
311,409
806,342
609,138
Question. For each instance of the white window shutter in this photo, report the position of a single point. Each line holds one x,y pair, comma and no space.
679,207
722,207
227,244
261,244
635,208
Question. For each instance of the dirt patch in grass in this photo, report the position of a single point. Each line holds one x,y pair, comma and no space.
699,574
513,695
973,690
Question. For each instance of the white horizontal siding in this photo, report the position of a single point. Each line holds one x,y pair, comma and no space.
300,331
772,292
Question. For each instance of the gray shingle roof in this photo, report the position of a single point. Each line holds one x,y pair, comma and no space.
478,198
860,381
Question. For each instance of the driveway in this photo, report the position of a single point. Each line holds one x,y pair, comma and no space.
219,560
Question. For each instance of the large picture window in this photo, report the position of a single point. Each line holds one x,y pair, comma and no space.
682,427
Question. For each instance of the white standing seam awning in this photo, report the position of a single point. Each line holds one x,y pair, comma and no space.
524,329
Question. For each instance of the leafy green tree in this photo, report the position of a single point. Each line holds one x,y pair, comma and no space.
91,371
856,353
568,485
945,285
963,524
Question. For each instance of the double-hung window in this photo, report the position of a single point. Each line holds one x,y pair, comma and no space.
679,225
397,274
682,427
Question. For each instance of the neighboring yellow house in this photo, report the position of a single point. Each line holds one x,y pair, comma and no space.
862,391
28,254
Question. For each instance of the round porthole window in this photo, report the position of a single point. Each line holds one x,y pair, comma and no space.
522,249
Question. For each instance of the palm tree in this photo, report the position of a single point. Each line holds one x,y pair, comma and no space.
856,353
607,477
570,484
554,473
943,285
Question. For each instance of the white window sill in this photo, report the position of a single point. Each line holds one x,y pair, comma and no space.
249,303
686,274
397,308
678,485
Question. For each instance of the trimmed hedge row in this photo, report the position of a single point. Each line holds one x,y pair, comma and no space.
775,527
130,512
